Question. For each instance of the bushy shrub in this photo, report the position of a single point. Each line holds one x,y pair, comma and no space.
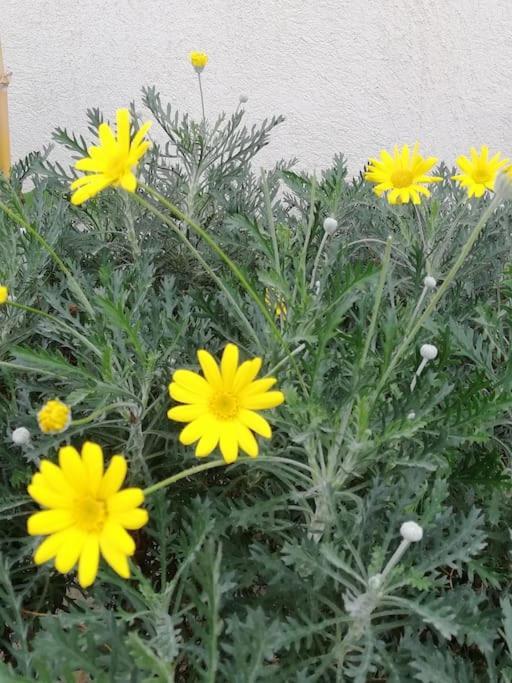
272,568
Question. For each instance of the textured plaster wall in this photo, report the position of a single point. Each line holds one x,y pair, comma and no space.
350,75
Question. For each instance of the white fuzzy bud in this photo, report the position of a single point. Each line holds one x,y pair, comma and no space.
412,532
428,351
411,415
430,282
503,186
21,436
243,98
330,225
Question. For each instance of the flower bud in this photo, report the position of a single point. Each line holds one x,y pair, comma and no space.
330,225
412,532
428,351
430,282
21,436
243,98
411,415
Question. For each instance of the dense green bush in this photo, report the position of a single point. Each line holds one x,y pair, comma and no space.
264,570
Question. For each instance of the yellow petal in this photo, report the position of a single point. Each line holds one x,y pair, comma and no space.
48,522
92,457
270,399
115,558
179,393
193,431
128,182
113,477
229,365
191,381
106,136
54,477
73,468
115,536
229,444
255,422
247,441
186,413
123,130
88,164
89,561
140,134
246,373
69,552
259,386
125,500
132,519
207,442
49,547
210,368
47,497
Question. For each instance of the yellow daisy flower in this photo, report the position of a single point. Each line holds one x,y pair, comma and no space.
86,514
479,173
198,60
402,176
54,417
4,294
221,406
113,161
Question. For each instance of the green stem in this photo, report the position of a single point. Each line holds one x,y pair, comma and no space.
317,259
211,465
98,412
56,321
378,298
438,295
73,283
270,219
143,202
202,97
222,254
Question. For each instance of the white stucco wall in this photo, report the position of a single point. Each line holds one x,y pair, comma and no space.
350,75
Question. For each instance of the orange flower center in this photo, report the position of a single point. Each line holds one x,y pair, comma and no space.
481,175
224,405
402,178
90,514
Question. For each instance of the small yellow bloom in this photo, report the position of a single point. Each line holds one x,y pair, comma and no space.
221,406
4,294
479,173
198,60
54,417
85,513
111,164
276,301
402,176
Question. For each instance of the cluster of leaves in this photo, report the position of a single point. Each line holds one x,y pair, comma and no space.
257,571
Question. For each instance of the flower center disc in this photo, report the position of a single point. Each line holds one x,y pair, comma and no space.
481,175
224,406
402,178
90,514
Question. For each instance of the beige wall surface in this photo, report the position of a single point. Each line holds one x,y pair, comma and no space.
350,76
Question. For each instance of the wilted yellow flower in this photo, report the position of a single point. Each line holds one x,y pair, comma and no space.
276,301
402,176
113,161
86,513
54,417
198,60
220,407
479,173
4,294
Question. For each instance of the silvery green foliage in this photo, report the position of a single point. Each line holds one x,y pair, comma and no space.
264,571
